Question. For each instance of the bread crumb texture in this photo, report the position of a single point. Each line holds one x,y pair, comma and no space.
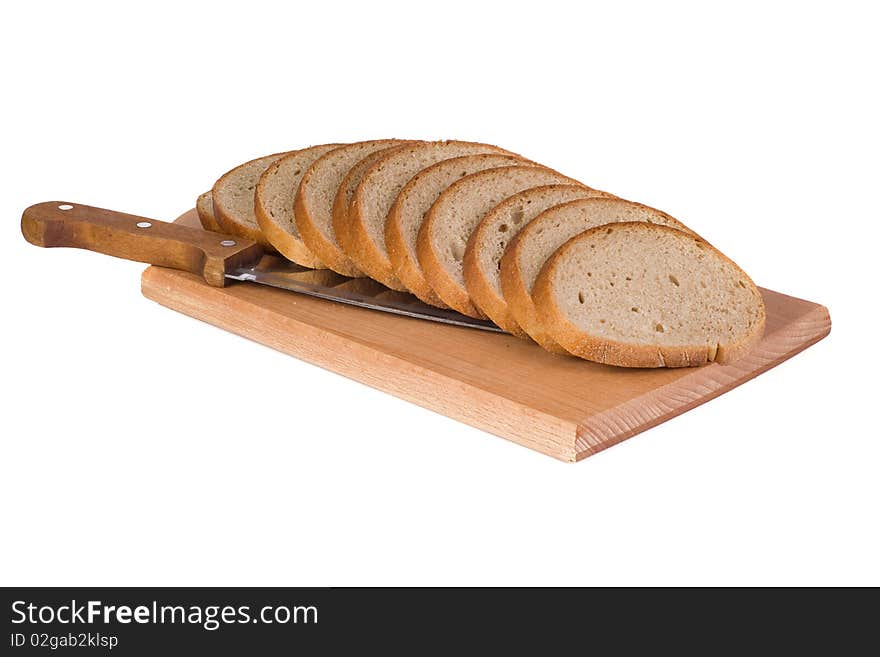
650,288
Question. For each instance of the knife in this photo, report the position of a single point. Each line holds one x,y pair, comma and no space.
218,258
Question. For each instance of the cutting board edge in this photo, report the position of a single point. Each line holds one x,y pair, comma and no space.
603,430
480,408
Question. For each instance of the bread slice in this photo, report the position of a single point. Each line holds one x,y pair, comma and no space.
205,210
415,199
363,239
233,196
313,206
274,200
537,241
482,256
448,225
342,201
636,294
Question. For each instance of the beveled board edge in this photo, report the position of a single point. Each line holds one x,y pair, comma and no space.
617,424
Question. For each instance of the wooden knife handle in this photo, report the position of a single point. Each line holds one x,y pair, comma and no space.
211,255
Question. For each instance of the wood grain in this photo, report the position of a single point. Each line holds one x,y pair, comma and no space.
561,406
178,245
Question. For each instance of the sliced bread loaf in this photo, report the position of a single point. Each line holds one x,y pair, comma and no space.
313,206
273,204
205,210
415,199
457,212
233,196
363,239
482,257
537,241
636,294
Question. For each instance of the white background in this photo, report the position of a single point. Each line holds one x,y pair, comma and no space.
143,447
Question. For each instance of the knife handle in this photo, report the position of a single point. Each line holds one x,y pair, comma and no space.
198,251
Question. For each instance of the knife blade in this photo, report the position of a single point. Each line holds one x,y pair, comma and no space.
217,257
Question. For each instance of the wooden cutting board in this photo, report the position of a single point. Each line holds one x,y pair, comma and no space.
565,407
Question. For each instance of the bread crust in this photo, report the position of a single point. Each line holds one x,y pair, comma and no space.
227,219
405,264
290,246
328,250
520,304
405,268
611,352
519,298
342,224
446,287
362,249
478,285
440,280
205,210
364,252
480,290
314,240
